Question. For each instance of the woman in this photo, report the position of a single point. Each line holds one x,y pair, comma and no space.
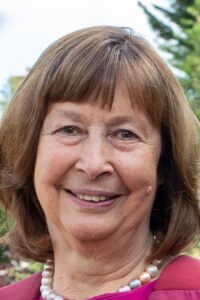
99,170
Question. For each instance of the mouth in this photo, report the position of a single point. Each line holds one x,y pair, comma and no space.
94,197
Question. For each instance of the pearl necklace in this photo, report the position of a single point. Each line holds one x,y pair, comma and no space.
47,293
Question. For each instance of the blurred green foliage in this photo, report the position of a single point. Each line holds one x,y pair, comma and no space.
22,269
177,32
12,268
3,229
9,89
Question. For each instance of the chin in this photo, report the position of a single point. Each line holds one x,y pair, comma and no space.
89,232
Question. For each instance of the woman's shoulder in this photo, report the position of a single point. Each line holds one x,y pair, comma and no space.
22,290
183,272
179,280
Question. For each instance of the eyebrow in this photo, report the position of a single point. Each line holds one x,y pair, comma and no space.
75,116
114,121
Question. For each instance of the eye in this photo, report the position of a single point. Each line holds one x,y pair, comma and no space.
70,130
125,134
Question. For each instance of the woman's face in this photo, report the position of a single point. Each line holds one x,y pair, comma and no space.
96,169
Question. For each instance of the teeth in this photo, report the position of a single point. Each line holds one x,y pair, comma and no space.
91,198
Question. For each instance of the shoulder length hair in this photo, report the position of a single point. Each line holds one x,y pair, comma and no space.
91,62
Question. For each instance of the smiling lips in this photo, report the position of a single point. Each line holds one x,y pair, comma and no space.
93,196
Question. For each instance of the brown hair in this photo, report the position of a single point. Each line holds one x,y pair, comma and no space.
92,62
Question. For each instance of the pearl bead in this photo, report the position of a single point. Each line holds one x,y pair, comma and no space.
152,270
46,281
47,274
48,267
157,262
45,293
44,287
124,288
50,296
145,277
135,283
58,298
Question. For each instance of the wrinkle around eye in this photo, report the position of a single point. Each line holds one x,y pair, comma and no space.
69,131
125,135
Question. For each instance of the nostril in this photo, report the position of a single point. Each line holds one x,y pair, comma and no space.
94,168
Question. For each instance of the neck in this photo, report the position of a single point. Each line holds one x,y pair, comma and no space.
86,269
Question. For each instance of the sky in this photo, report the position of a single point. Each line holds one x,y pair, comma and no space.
27,27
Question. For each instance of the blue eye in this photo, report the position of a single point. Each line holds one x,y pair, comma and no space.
125,134
68,130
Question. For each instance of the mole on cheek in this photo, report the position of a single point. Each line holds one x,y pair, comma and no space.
149,189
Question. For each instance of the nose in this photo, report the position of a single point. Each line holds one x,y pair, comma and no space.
95,157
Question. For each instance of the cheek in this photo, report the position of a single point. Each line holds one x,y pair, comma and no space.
49,169
139,171
52,163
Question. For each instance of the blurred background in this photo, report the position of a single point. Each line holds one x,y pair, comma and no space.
28,27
